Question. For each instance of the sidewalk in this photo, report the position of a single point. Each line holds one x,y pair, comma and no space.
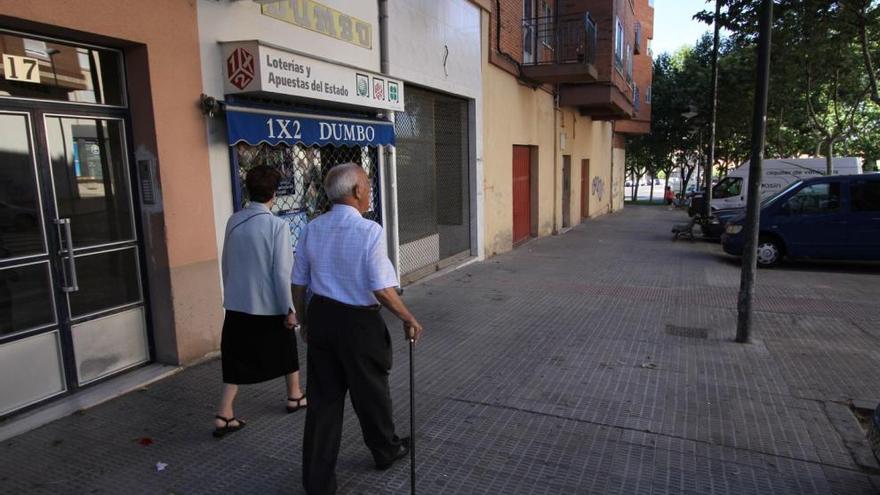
600,361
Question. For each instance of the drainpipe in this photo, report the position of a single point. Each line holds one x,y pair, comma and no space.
383,36
556,137
390,151
611,185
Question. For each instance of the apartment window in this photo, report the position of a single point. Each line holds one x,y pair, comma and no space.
529,32
544,27
36,48
629,63
638,37
618,45
636,99
648,92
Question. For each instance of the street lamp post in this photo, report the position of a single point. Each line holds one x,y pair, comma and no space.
688,115
713,114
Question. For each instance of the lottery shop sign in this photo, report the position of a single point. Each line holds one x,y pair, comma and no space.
251,67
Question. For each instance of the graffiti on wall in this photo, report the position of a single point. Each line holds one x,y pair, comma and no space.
598,187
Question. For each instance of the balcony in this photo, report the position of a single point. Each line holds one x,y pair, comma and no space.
602,101
632,127
559,49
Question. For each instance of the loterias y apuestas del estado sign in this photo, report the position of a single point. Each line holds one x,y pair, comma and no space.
251,67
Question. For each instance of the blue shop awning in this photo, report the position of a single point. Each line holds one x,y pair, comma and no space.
255,126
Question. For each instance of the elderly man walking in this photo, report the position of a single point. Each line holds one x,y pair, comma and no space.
342,257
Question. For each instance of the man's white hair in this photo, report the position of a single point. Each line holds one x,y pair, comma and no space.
341,180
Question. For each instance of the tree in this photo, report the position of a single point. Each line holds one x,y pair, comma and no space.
638,160
865,15
821,79
823,88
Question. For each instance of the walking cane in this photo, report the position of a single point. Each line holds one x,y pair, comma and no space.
412,419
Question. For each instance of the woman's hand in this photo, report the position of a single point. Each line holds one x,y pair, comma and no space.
290,322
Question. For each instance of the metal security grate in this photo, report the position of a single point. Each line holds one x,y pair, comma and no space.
433,178
301,195
690,332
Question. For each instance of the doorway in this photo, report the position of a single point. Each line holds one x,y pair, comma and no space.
522,200
566,191
71,296
585,188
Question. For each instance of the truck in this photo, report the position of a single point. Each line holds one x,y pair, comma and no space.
731,191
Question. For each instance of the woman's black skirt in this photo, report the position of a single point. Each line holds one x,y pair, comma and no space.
256,348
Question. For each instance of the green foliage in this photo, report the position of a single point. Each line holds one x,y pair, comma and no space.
820,90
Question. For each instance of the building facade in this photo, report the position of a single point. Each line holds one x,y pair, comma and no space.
481,124
410,69
103,261
562,90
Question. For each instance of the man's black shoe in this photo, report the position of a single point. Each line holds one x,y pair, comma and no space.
403,452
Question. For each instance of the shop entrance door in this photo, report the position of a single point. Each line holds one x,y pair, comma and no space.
522,193
71,299
566,191
585,188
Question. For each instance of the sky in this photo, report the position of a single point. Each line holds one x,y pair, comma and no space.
674,26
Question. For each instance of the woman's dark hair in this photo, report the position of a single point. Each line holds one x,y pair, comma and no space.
262,182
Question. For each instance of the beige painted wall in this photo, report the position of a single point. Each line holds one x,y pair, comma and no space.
586,139
619,172
514,115
517,115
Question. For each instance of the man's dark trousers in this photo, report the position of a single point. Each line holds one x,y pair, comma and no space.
349,350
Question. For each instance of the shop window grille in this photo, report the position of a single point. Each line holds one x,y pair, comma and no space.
301,196
433,178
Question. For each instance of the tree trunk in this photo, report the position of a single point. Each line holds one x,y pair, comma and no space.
829,158
684,180
635,187
635,191
651,196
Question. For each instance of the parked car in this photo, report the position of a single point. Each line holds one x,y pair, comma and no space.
731,191
830,217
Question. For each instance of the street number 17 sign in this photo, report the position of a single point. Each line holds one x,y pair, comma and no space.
23,69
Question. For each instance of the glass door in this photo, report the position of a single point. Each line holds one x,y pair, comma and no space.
31,363
99,256
71,298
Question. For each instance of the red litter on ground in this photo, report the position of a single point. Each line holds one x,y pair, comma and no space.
145,441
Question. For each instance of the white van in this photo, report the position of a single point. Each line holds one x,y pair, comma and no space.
731,191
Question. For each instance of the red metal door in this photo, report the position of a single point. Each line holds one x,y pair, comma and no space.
585,188
522,211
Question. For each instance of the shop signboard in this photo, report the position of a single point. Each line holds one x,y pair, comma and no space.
254,68
256,126
322,19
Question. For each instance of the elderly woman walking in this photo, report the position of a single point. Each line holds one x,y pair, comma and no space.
258,341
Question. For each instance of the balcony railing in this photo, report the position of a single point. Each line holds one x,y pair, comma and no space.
565,39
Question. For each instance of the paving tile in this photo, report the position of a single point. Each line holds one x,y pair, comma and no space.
547,370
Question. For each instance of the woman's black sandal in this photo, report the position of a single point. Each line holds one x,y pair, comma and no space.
220,431
299,404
